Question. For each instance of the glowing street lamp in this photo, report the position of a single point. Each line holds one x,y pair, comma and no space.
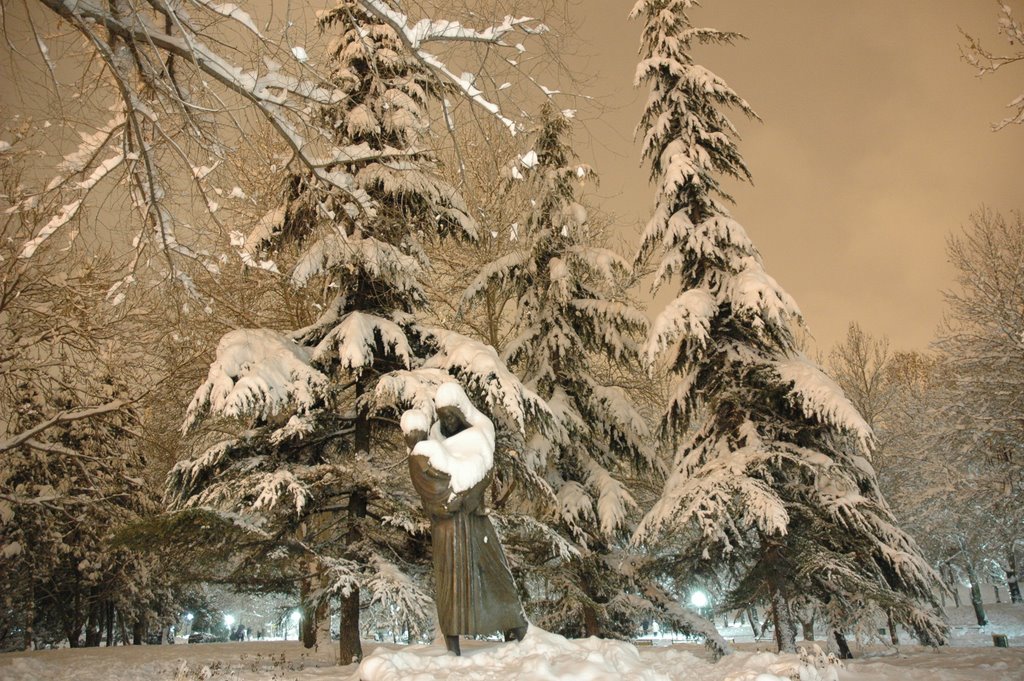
229,621
699,599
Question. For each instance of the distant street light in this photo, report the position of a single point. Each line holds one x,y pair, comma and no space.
699,599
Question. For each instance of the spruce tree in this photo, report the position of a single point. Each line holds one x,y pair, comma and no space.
316,479
771,465
574,333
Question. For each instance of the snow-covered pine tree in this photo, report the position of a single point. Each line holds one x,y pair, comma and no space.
321,402
572,324
570,309
771,458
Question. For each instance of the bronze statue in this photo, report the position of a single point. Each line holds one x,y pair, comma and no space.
450,464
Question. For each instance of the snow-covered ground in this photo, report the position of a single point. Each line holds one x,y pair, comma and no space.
541,657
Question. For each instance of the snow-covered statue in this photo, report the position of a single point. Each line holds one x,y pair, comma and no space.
450,463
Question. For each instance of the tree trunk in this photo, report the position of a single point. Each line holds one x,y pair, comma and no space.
94,625
350,649
808,629
30,613
110,622
307,625
947,577
124,629
752,617
995,588
73,620
782,618
323,621
316,614
785,632
1011,575
73,634
894,635
591,626
139,630
979,607
844,647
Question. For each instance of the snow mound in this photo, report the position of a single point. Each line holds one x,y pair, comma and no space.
543,656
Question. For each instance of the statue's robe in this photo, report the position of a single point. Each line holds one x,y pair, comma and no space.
475,592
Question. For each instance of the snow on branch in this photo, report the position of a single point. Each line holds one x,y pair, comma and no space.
690,620
74,163
546,534
414,36
821,398
482,371
358,336
611,266
755,291
688,317
500,271
270,487
613,498
988,62
258,372
621,419
708,496
379,258
232,11
413,389
403,600
166,38
63,417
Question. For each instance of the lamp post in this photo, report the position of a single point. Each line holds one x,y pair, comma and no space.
699,600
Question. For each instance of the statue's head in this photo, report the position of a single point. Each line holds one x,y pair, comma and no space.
452,407
452,420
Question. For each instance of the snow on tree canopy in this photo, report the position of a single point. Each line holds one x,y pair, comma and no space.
355,339
479,366
376,257
258,372
821,398
687,317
